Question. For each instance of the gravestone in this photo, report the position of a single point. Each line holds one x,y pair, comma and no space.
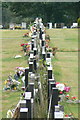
43,43
35,64
30,66
43,50
43,55
23,113
32,45
55,25
34,33
26,76
50,25
43,36
28,102
35,43
48,54
54,100
23,25
50,86
31,89
11,26
49,72
23,104
35,51
1,26
40,35
31,55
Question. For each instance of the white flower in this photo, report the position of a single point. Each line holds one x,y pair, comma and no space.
60,86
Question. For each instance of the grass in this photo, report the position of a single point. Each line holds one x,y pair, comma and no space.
11,41
65,63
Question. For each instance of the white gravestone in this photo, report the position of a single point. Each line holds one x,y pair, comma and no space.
50,25
11,26
55,25
74,25
23,25
43,36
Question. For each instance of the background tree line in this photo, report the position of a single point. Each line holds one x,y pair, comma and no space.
55,12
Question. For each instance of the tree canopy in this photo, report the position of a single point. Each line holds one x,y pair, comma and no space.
66,12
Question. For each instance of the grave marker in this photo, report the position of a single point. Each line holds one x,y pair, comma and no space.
48,54
11,26
43,55
23,25
49,72
50,25
35,65
26,76
31,89
35,51
23,113
30,66
23,104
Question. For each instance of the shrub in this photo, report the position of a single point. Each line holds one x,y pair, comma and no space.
78,21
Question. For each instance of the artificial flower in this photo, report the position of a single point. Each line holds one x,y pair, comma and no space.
61,92
67,89
73,98
60,86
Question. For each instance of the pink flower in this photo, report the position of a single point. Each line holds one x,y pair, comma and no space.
26,43
67,89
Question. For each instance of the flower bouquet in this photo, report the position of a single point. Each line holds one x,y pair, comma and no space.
26,35
62,90
26,47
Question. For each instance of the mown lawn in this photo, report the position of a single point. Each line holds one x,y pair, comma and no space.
65,64
11,41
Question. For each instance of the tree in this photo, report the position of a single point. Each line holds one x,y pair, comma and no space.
66,12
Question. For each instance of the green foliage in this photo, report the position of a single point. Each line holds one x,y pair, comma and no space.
49,11
78,21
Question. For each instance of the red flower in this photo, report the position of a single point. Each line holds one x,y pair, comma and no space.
67,96
22,44
61,92
73,98
57,83
66,115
